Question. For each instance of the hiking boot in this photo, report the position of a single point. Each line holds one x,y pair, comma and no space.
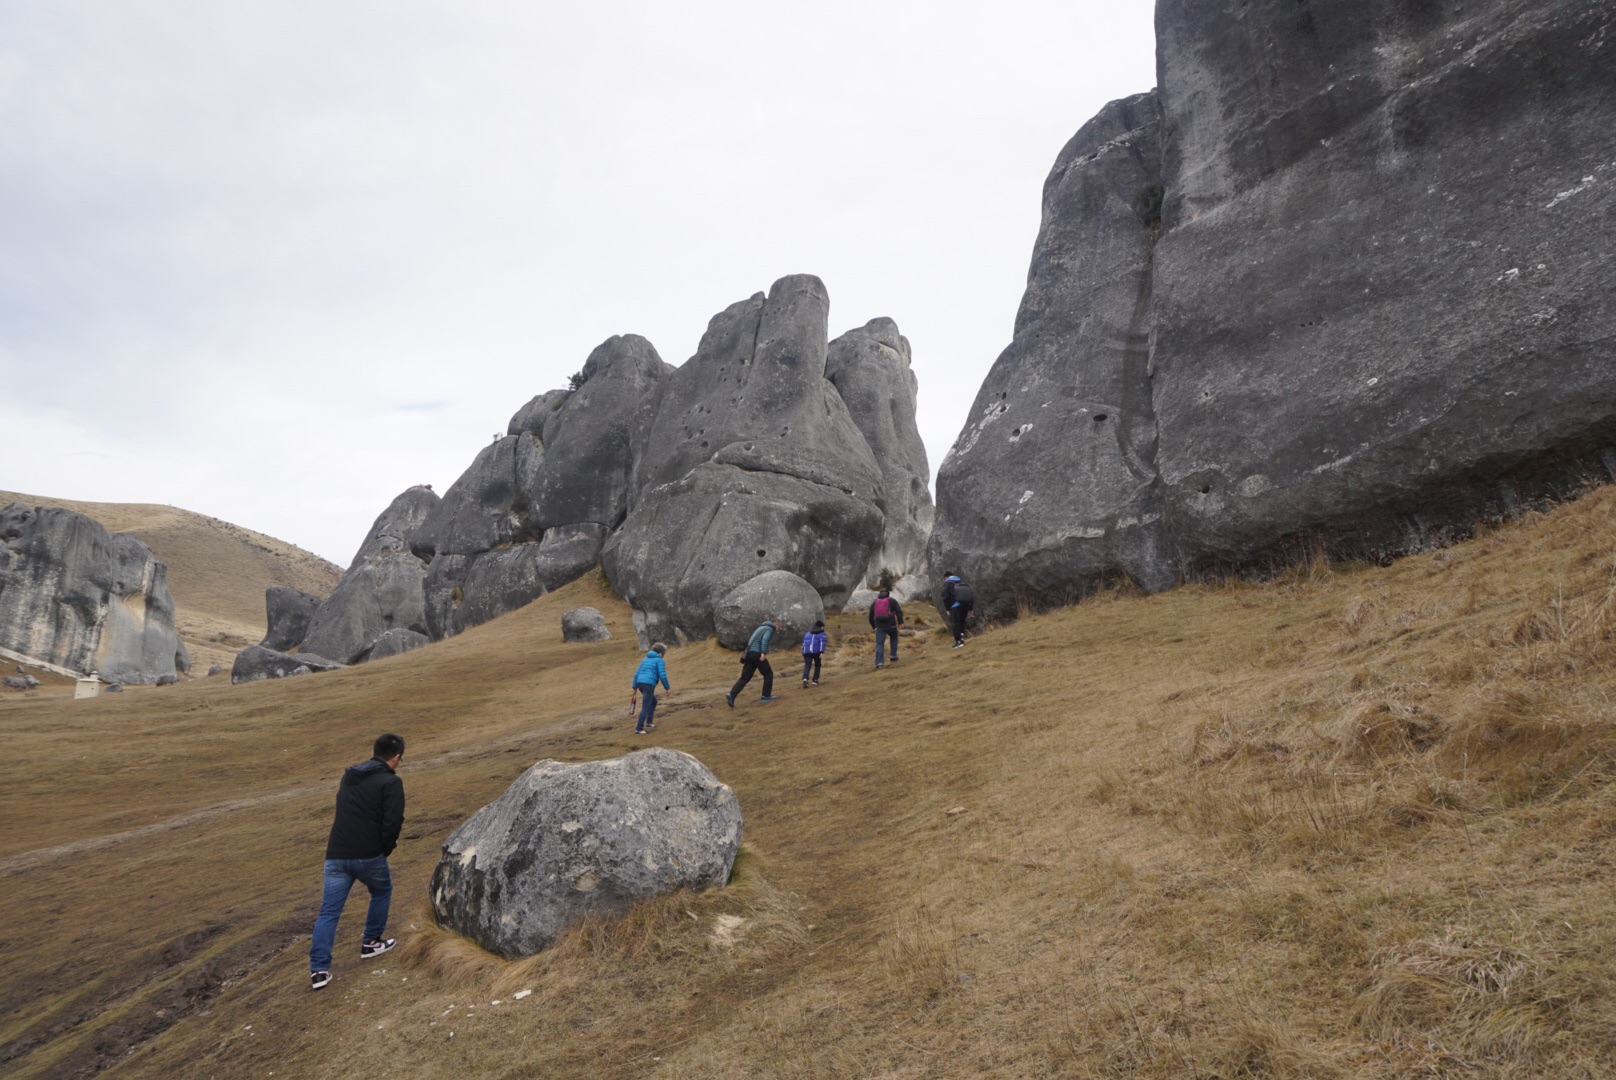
318,979
769,698
894,659
729,699
805,684
816,682
368,949
959,644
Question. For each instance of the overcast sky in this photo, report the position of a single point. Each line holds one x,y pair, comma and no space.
276,262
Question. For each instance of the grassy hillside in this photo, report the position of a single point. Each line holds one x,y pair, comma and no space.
1356,823
217,571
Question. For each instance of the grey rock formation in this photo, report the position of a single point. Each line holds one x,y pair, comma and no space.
584,624
215,669
568,841
491,505
751,462
287,613
776,594
16,682
1374,310
1051,487
167,680
78,597
114,688
384,592
870,368
404,521
395,641
256,662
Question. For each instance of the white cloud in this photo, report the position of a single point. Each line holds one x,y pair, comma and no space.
277,261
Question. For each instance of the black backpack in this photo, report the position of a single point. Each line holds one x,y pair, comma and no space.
963,596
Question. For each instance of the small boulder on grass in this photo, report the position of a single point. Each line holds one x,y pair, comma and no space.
584,624
567,841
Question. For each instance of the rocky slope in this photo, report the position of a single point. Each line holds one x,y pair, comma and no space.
1342,282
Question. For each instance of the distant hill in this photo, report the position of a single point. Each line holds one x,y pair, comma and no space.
217,571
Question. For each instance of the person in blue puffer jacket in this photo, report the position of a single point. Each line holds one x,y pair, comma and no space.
652,670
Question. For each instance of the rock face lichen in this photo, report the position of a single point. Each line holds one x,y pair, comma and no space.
567,841
1342,282
81,599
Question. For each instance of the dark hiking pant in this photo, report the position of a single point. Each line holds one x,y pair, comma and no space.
750,664
882,635
956,619
648,703
810,663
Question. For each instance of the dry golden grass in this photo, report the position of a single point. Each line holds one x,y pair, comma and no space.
1358,822
217,571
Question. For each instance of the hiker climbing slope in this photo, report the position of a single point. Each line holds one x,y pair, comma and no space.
958,600
651,671
886,615
813,650
755,659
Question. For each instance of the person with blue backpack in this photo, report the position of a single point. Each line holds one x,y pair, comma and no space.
813,649
957,601
652,670
886,615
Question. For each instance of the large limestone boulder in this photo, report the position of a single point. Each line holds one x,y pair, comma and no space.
751,462
386,591
776,594
395,641
287,613
870,368
1372,308
255,663
585,624
1052,486
491,505
403,523
78,597
567,841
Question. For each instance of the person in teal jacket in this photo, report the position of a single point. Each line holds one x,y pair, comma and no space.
755,659
651,671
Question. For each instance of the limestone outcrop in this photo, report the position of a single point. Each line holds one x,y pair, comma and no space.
75,597
567,841
751,462
1353,297
287,612
255,663
769,450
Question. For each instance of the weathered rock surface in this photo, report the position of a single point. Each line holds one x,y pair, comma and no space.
256,662
215,669
78,597
584,624
385,591
752,462
870,368
567,841
395,641
775,594
404,521
1375,308
287,613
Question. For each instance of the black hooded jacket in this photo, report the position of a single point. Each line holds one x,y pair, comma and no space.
370,812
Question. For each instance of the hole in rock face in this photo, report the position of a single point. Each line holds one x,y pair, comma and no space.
761,553
704,444
1100,418
1207,490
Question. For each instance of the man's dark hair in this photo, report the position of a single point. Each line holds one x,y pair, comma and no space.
388,746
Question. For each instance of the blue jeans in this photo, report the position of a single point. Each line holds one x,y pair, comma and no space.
647,706
340,874
881,635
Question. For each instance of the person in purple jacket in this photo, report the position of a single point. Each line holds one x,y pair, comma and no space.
813,649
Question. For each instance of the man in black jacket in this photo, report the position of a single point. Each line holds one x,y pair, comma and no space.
370,814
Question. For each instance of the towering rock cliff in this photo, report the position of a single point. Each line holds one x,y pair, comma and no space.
767,451
79,598
1372,308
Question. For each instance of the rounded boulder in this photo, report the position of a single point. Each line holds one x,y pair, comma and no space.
584,624
777,594
568,841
